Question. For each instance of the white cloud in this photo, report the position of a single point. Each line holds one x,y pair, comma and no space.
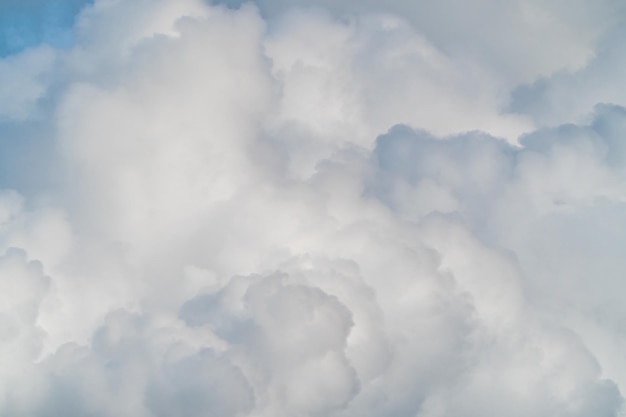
297,213
519,40
567,96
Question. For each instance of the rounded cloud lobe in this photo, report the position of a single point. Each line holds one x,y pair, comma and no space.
303,214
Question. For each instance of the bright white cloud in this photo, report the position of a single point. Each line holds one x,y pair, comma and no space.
313,212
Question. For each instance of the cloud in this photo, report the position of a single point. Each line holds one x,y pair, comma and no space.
518,40
285,211
25,78
567,96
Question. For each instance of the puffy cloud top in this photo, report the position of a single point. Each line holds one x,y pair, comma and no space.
313,209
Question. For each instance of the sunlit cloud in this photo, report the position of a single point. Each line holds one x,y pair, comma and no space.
312,209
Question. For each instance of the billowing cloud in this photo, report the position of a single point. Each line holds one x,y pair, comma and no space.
567,96
339,210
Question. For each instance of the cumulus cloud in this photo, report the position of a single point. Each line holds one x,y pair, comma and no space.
519,40
342,210
567,96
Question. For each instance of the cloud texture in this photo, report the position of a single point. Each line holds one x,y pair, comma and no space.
316,209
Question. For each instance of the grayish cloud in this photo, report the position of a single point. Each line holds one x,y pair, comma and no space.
567,96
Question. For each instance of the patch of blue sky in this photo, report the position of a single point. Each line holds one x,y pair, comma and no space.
28,23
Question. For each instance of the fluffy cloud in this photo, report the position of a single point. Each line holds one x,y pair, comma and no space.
567,96
518,40
286,211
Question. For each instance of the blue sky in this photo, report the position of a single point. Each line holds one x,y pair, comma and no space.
24,24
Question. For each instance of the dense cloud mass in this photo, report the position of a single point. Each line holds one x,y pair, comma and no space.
313,208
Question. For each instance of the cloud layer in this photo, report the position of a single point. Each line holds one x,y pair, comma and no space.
315,209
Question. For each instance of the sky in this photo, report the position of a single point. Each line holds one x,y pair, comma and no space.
312,208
